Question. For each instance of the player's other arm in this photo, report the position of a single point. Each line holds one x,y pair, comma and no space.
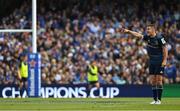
164,50
136,34
165,55
19,75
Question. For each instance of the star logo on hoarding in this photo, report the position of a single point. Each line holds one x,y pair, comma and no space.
32,63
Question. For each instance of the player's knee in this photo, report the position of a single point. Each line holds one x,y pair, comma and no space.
98,85
153,82
21,85
26,84
159,82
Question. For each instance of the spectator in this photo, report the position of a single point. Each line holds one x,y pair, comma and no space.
69,36
170,72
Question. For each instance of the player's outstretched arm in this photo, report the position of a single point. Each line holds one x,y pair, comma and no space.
136,34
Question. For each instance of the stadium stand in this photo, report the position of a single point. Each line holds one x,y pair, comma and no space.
71,34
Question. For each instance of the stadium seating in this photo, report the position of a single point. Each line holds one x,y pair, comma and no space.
71,34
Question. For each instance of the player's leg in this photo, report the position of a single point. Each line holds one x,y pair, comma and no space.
21,88
154,88
152,69
89,89
98,86
159,79
26,87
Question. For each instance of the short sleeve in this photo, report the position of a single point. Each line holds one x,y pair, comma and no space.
145,37
161,41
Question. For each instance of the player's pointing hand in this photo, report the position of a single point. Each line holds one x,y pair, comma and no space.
123,30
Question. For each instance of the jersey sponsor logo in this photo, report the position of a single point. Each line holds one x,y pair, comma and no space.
163,41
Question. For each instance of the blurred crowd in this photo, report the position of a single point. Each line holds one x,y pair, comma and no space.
72,33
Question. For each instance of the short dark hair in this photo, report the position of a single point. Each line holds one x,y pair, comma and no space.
151,25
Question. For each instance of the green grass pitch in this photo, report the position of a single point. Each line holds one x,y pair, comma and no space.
87,104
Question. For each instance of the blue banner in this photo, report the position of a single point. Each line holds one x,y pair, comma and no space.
80,91
34,71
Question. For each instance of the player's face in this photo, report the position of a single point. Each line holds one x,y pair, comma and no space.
150,30
94,63
25,58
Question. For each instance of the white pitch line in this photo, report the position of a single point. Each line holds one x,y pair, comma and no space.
83,110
